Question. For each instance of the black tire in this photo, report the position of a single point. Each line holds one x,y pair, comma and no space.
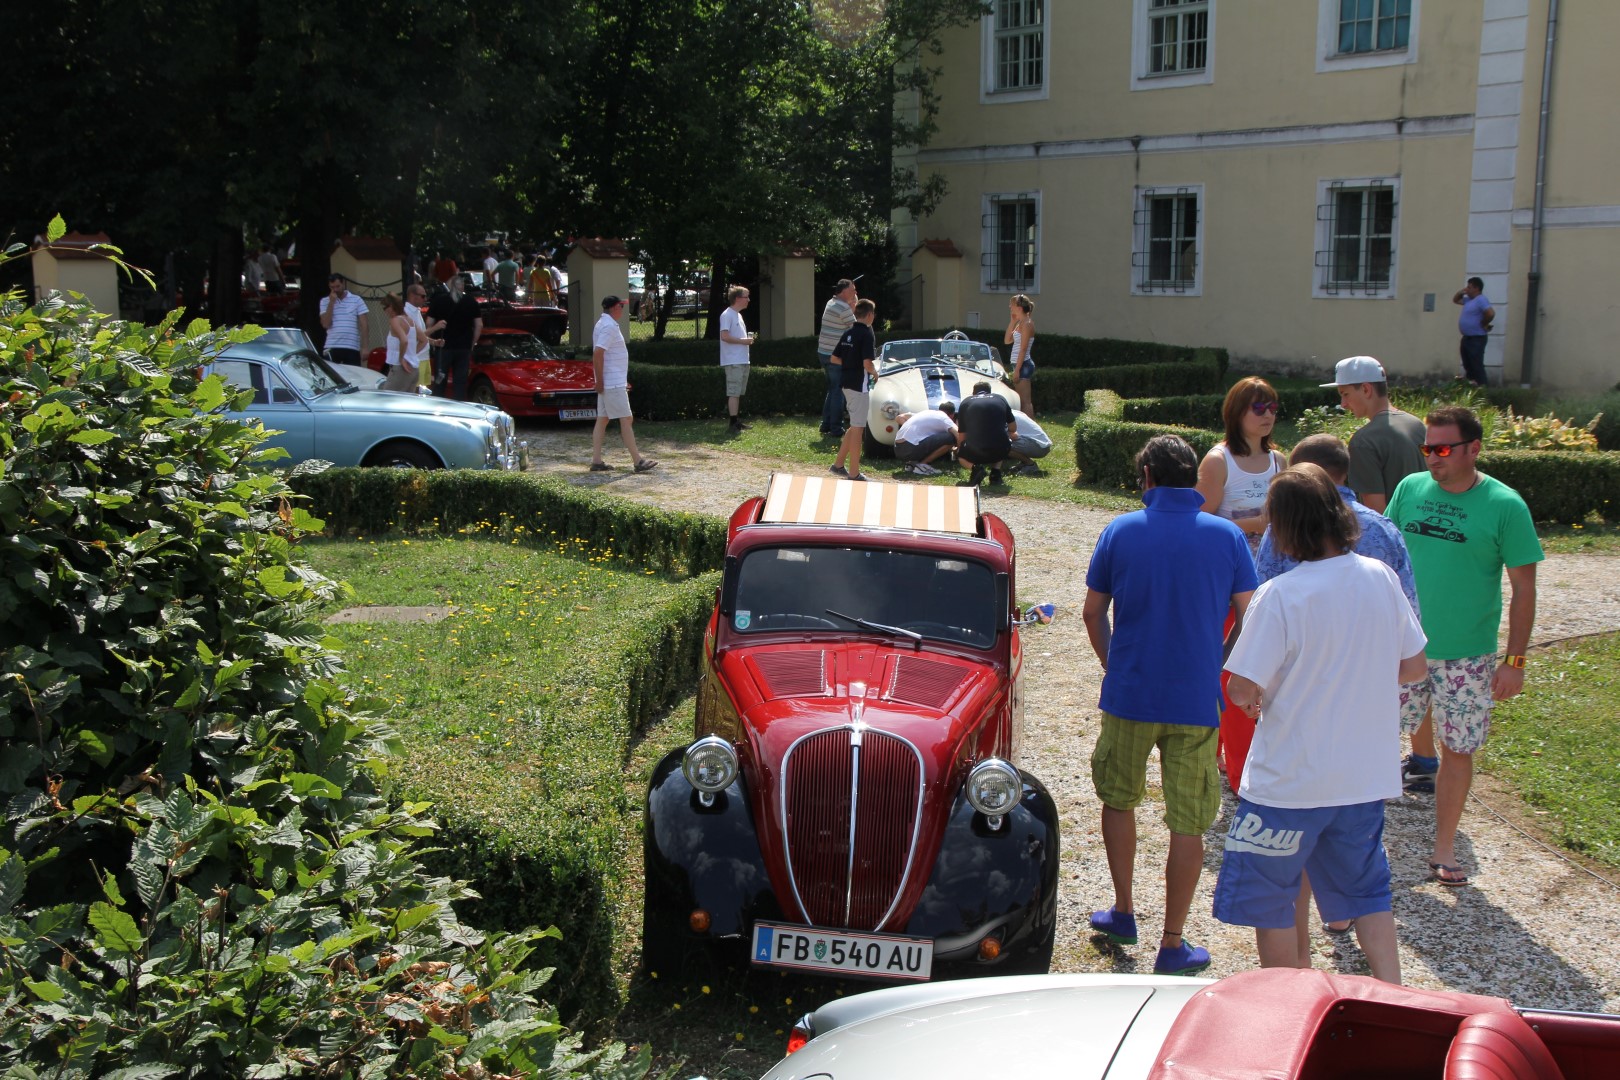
871,448
402,454
483,392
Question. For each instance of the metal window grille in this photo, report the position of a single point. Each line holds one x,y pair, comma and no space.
1357,228
1020,44
1166,255
1374,25
1010,249
1178,36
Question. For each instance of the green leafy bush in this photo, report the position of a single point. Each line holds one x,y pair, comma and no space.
1204,410
1105,449
1600,410
1560,486
1515,432
201,871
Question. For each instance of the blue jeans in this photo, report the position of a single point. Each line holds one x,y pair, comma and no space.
832,408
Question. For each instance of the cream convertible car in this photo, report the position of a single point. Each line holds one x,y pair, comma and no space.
921,373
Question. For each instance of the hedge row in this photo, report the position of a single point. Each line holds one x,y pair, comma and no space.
1052,352
544,838
1204,410
1558,487
685,393
374,502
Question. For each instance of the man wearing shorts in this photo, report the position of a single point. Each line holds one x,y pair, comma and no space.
857,359
1323,646
925,437
1462,528
611,359
1171,573
734,342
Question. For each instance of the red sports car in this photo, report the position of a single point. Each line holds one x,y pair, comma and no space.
519,373
852,803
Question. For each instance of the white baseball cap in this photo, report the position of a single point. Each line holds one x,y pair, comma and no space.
1355,370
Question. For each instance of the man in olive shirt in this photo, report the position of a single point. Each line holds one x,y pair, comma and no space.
1384,451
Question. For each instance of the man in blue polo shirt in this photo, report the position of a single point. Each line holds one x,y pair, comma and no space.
1474,326
1171,573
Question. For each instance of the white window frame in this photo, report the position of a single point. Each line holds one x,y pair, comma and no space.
1142,77
1321,289
1141,224
988,94
1328,57
990,226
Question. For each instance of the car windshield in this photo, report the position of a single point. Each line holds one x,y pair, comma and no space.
310,375
960,351
499,347
823,588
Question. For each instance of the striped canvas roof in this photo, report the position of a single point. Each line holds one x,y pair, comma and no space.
814,500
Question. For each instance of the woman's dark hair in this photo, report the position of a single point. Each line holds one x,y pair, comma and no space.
1245,392
1309,518
1169,461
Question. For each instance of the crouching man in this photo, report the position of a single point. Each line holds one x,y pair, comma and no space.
925,437
1323,651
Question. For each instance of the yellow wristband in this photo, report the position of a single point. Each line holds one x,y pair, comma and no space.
1513,661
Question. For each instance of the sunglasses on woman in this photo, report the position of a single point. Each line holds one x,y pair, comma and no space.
1261,408
1442,449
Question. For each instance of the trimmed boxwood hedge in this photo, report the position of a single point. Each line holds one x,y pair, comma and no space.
1557,486
1204,410
1054,351
548,843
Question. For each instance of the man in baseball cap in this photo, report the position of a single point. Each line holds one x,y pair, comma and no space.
1385,448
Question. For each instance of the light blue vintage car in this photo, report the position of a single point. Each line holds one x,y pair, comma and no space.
315,413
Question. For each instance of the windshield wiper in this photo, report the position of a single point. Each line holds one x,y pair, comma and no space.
882,628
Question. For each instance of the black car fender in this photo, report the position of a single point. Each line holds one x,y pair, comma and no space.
699,856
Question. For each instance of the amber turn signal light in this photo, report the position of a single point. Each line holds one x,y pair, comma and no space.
989,948
698,921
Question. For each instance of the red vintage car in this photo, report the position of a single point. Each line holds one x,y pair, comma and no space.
520,374
852,803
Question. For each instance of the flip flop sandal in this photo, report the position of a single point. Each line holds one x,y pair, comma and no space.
1440,871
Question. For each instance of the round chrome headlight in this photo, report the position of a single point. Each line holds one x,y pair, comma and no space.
710,764
890,409
993,787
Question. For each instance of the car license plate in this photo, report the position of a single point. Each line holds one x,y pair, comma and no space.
576,414
843,952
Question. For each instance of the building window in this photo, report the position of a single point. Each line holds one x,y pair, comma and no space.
1178,36
1374,25
1356,233
1173,43
1366,33
1015,36
1012,242
1166,256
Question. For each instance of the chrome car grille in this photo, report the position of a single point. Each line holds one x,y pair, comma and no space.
502,449
851,799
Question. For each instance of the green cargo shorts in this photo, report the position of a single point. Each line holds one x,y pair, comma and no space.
1192,784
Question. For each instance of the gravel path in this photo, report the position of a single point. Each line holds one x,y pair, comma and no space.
1534,927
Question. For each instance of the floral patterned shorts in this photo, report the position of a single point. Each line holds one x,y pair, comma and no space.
1460,693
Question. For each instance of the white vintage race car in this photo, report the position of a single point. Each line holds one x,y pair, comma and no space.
921,373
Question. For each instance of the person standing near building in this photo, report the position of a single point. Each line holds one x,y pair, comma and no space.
270,266
735,339
857,360
610,358
1324,648
1170,573
836,319
252,275
1236,472
1474,324
1021,336
540,287
506,276
1384,450
1462,529
343,317
463,324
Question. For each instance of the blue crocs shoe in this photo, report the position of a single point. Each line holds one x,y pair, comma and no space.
1184,959
1117,926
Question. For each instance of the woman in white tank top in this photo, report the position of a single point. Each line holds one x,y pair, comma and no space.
1021,336
401,355
1236,474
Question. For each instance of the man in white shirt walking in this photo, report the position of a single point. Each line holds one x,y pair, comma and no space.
735,339
610,358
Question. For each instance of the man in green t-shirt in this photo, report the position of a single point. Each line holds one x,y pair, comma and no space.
1462,528
1384,450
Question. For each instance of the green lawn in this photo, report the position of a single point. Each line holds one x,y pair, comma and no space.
1559,744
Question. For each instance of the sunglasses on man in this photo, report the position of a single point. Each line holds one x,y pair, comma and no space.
1261,408
1441,449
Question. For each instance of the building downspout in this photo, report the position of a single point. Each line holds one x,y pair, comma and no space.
1532,298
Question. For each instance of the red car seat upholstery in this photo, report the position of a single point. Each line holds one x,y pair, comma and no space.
1499,1046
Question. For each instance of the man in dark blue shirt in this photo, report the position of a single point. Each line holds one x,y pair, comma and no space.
857,355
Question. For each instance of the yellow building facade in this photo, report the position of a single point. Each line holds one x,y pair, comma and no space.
1296,181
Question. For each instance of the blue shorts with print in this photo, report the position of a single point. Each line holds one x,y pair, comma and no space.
1267,847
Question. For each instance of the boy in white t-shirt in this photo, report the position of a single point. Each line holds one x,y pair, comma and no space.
1325,648
735,339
